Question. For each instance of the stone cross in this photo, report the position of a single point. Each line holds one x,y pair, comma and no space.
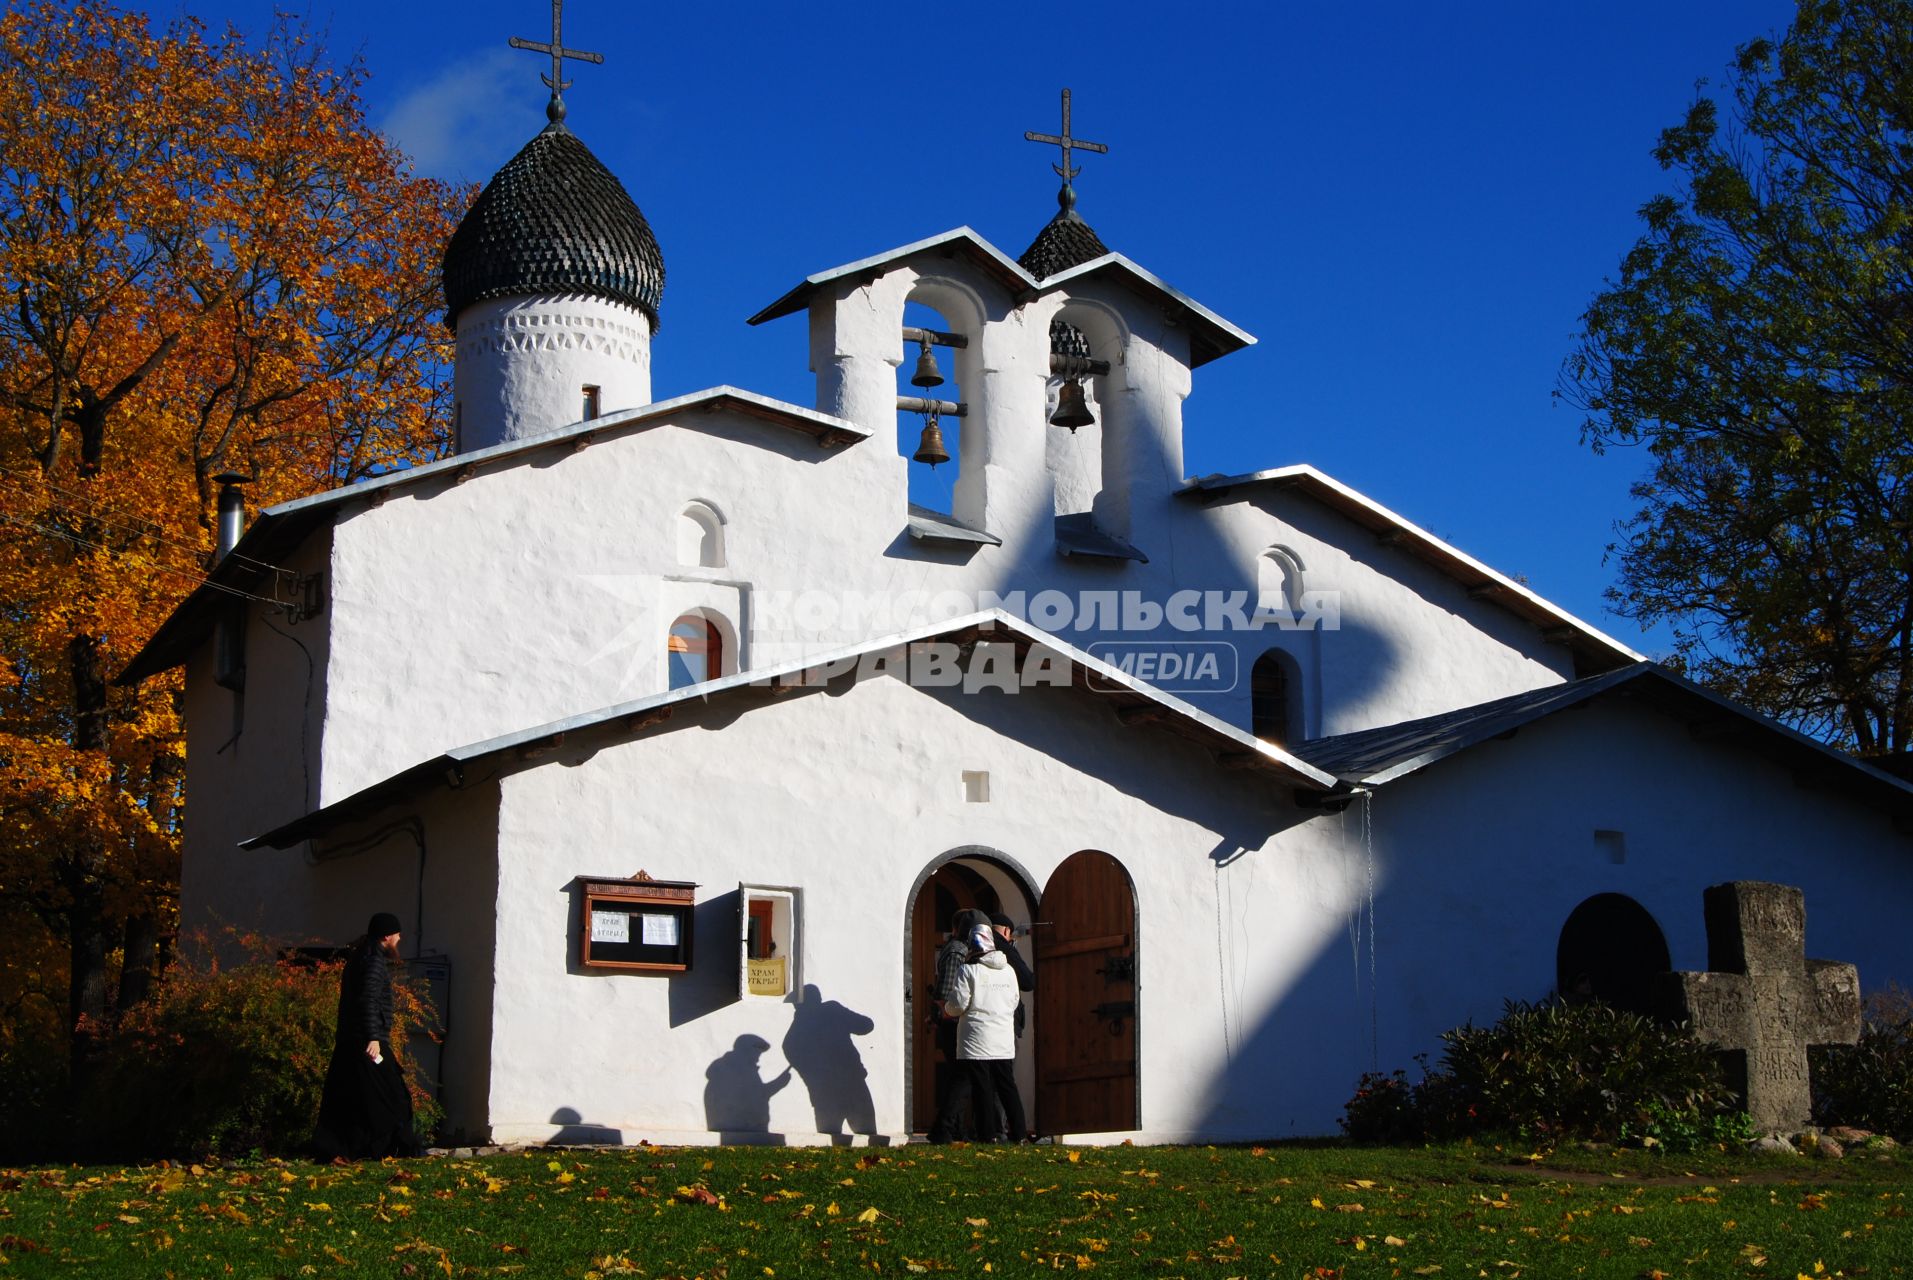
555,109
1067,143
1762,1001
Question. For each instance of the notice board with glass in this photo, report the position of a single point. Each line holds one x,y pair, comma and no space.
640,923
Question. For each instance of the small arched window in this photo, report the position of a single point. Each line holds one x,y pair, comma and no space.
700,537
1272,689
1279,584
694,651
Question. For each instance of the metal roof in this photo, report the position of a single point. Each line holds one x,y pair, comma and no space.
1233,748
1210,336
933,526
1077,535
1389,752
554,220
278,531
1594,650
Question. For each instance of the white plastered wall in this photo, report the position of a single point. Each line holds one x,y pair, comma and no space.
252,763
849,795
523,364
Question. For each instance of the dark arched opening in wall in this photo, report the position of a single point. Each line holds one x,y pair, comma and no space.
1611,950
1273,684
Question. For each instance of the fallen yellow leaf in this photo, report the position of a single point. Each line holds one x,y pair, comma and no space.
1393,1242
868,1215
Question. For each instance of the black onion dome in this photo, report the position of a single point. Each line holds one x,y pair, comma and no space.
552,221
1065,241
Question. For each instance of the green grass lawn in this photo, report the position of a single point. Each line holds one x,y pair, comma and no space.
1309,1210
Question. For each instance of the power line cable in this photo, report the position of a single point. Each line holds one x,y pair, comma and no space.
198,580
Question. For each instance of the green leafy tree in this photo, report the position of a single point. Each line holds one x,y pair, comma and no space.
1759,344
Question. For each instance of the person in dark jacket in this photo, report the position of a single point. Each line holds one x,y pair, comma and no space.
366,1109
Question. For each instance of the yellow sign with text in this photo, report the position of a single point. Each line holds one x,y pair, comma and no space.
766,977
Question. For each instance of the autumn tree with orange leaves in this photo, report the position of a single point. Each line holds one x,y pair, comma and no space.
211,263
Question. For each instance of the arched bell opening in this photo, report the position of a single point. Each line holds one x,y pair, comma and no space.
1611,950
971,876
941,446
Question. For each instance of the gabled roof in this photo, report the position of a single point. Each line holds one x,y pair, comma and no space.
1381,755
961,241
1594,650
1234,749
1210,335
278,531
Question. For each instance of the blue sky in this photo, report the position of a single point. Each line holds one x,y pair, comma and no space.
1409,205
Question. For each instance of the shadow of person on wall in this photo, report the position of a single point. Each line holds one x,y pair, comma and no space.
737,1099
819,1048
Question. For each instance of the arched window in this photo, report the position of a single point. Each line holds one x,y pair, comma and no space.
1611,950
1272,689
1278,583
700,537
694,651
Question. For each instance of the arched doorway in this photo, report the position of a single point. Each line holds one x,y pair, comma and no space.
1086,1009
1611,950
974,877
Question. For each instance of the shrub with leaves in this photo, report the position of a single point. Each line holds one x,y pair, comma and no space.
1383,1110
1870,1085
1552,1071
1587,1070
226,1059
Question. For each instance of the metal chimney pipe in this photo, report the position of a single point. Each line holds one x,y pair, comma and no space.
232,511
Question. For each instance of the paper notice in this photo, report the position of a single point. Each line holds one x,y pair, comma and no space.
611,926
660,930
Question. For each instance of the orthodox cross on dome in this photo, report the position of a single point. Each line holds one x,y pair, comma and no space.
1067,143
555,109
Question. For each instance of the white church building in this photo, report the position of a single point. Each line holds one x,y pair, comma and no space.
675,733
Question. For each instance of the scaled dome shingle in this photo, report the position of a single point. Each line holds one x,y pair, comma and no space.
1065,241
554,220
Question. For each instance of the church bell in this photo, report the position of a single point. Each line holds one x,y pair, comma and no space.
930,446
1072,410
927,374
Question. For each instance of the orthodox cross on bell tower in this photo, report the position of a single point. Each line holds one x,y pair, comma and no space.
555,109
1067,143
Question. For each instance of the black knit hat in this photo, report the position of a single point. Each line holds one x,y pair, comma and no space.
383,925
998,918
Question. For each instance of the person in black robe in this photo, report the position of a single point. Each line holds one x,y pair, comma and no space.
365,1112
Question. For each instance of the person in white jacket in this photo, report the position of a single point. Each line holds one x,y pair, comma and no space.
983,999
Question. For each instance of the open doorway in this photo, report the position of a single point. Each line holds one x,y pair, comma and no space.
972,877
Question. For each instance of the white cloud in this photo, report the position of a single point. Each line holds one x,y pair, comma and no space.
466,121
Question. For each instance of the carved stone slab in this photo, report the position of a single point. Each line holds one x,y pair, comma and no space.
1762,1002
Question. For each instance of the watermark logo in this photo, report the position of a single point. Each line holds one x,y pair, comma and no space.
1185,666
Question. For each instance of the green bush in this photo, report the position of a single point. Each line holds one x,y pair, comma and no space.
1383,1111
1554,1071
227,1059
1870,1085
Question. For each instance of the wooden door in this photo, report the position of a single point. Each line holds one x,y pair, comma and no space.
1086,998
950,889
